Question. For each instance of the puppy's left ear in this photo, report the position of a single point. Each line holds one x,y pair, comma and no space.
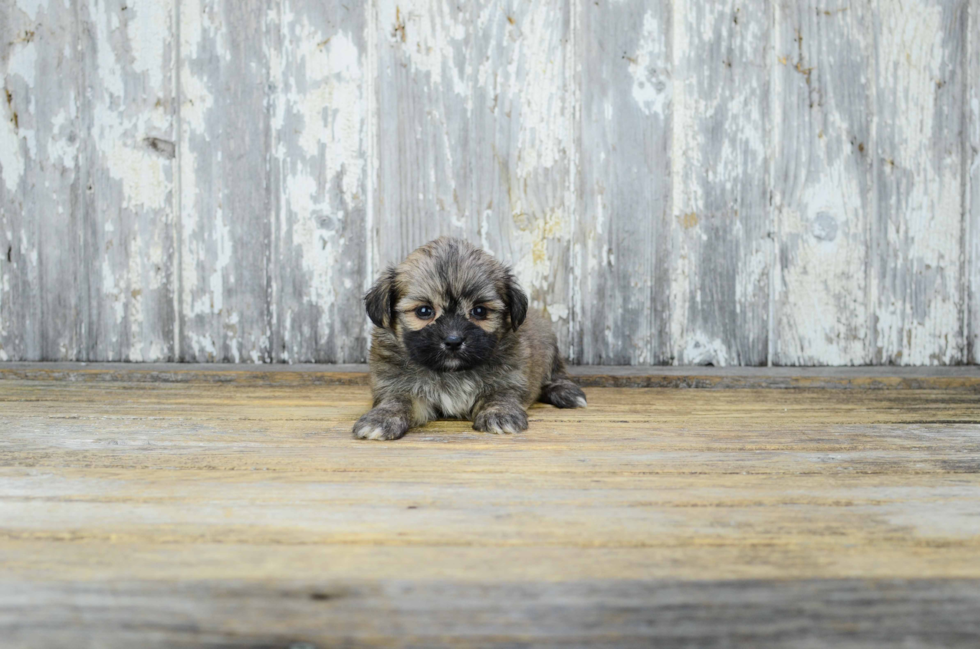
516,302
381,299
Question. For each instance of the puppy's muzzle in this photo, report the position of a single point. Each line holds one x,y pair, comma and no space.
452,328
453,341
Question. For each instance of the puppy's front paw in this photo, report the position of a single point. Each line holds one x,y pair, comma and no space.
380,424
501,420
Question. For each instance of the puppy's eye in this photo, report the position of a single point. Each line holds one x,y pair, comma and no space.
479,313
424,312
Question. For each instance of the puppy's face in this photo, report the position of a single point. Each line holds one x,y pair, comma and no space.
449,304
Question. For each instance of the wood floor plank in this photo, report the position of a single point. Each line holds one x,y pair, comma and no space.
813,613
211,514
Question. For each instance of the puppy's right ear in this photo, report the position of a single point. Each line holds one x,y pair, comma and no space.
516,302
381,299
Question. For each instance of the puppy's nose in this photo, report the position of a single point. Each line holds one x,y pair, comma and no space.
453,341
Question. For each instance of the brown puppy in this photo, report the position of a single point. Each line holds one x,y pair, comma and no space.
453,337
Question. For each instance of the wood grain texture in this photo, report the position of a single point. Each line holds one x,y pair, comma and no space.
474,137
320,119
971,233
720,239
237,515
125,216
621,614
521,151
226,193
917,229
622,240
823,183
424,94
677,183
966,377
41,251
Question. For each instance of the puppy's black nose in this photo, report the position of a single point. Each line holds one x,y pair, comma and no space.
453,341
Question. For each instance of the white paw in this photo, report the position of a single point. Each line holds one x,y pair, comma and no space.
380,425
502,429
370,432
505,422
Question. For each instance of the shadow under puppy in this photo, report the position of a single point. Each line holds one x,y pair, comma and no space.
454,338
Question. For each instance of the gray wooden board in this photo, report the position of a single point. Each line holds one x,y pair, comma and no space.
424,77
822,183
620,261
868,377
521,152
474,137
917,228
226,194
125,215
720,244
43,268
329,613
321,129
971,233
674,182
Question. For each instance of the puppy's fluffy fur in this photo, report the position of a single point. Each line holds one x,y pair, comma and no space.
453,337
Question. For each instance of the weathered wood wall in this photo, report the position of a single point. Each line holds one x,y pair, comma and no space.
765,181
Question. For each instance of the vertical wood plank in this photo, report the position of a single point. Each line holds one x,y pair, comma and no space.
521,149
321,155
621,247
474,136
126,308
972,164
823,182
918,225
424,95
227,197
40,256
721,250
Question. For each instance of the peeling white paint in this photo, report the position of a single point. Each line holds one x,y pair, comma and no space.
22,61
196,98
199,287
143,175
321,122
426,32
821,287
224,248
525,61
650,85
919,311
558,312
21,68
11,158
148,28
544,139
131,184
63,145
702,350
31,7
720,254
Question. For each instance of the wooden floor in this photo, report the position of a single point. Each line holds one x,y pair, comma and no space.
229,514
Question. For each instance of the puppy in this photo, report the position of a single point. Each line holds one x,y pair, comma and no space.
454,338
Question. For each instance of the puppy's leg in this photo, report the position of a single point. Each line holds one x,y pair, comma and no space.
559,390
387,420
563,394
500,414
